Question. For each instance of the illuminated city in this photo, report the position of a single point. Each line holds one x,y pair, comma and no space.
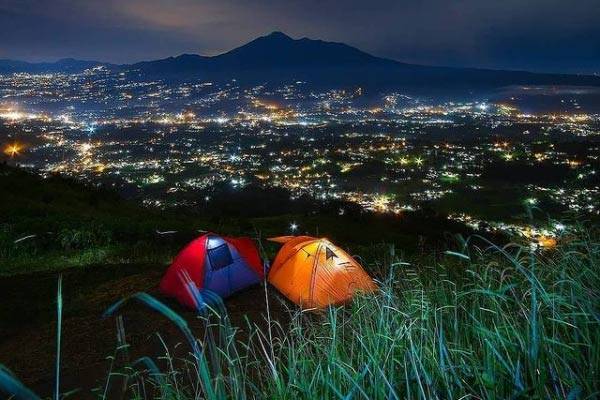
172,143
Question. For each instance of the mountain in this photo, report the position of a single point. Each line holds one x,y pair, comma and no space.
65,65
273,52
278,50
279,58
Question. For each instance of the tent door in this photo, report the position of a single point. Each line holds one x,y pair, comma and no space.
227,272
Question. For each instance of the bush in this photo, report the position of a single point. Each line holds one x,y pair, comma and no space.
83,238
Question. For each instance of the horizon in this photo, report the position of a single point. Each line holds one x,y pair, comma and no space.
285,34
470,35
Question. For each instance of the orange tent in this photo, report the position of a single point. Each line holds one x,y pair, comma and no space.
315,273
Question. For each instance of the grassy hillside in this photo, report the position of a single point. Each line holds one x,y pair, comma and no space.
480,322
475,320
56,223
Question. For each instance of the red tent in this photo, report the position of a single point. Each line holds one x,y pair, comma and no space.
220,264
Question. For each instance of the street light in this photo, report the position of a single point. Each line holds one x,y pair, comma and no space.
13,150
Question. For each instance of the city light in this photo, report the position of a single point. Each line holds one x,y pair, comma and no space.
14,149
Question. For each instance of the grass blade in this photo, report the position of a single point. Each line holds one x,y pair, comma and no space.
59,307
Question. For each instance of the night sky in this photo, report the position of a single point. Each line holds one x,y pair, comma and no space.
539,35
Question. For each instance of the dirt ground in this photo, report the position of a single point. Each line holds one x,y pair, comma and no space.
28,322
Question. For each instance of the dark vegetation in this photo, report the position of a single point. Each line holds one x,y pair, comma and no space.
524,173
56,223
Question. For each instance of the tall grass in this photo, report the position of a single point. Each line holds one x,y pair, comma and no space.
59,309
454,331
481,322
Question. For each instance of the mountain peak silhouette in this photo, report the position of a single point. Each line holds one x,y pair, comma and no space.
277,58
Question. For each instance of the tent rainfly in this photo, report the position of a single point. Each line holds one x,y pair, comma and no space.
315,273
